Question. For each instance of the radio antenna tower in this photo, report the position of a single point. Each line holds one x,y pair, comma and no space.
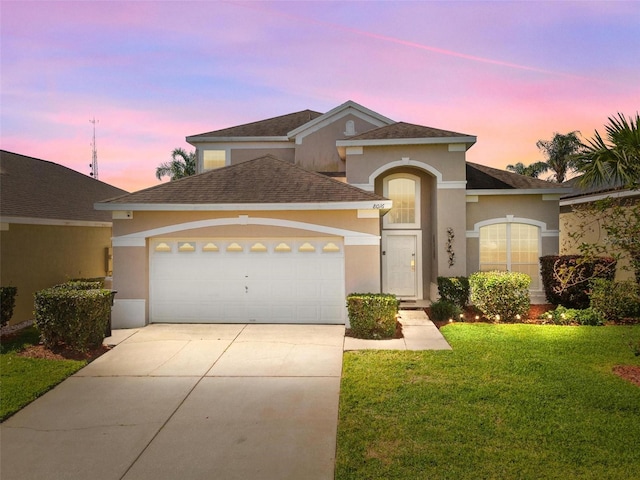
94,152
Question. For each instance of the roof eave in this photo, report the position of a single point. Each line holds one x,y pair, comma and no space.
226,207
516,191
467,140
201,139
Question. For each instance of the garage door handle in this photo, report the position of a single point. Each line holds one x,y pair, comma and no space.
246,289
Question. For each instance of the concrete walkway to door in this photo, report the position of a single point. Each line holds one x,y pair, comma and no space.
189,402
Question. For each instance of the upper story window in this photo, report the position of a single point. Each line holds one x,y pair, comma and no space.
404,190
213,159
511,246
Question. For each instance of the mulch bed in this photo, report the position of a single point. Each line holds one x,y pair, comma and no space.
628,372
63,353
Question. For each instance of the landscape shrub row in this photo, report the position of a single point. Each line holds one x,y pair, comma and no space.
75,314
372,315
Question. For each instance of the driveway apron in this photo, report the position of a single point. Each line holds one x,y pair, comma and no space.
189,402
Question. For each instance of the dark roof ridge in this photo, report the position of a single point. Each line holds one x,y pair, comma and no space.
312,115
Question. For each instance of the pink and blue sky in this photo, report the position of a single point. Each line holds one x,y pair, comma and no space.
152,73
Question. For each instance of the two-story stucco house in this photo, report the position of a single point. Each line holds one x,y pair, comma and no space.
288,215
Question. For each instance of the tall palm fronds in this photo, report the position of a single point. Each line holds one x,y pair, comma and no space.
617,161
533,170
561,151
182,164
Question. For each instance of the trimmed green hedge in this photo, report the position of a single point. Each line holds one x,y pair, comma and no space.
575,296
445,310
615,300
76,317
372,315
7,303
573,316
500,296
454,290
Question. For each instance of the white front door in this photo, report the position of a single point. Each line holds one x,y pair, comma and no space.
400,264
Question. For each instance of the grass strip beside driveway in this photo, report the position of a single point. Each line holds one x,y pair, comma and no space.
510,401
22,380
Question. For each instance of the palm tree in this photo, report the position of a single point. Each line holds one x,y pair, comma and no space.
617,162
561,151
534,170
182,164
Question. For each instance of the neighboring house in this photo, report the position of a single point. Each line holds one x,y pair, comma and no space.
289,215
579,197
49,230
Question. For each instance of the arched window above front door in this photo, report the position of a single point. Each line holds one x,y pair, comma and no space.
404,190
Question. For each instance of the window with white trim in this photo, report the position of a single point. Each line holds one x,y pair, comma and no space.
404,191
212,159
511,246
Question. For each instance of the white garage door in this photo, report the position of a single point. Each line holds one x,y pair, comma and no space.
275,280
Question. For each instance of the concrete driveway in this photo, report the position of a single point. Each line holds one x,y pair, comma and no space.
189,402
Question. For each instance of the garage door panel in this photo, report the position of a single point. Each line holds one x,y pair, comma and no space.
281,281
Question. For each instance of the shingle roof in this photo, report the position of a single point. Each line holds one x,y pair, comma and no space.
36,188
271,127
578,191
262,180
406,130
482,177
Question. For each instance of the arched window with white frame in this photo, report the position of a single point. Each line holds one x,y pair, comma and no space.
404,190
511,246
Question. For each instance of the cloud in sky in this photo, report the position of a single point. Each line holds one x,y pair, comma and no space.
153,73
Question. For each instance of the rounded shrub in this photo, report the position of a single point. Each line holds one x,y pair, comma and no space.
615,300
582,270
454,290
500,296
444,310
372,315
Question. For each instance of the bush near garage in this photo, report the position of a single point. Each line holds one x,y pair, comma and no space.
7,303
73,314
372,315
575,296
615,300
454,290
501,296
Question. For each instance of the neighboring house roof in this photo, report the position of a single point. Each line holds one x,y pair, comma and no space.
264,180
271,127
38,189
578,194
481,177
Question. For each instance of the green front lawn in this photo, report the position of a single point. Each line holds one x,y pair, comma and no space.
22,380
510,401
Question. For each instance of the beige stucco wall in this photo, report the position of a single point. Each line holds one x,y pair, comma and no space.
317,151
531,207
239,155
34,257
525,206
595,234
450,164
131,264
